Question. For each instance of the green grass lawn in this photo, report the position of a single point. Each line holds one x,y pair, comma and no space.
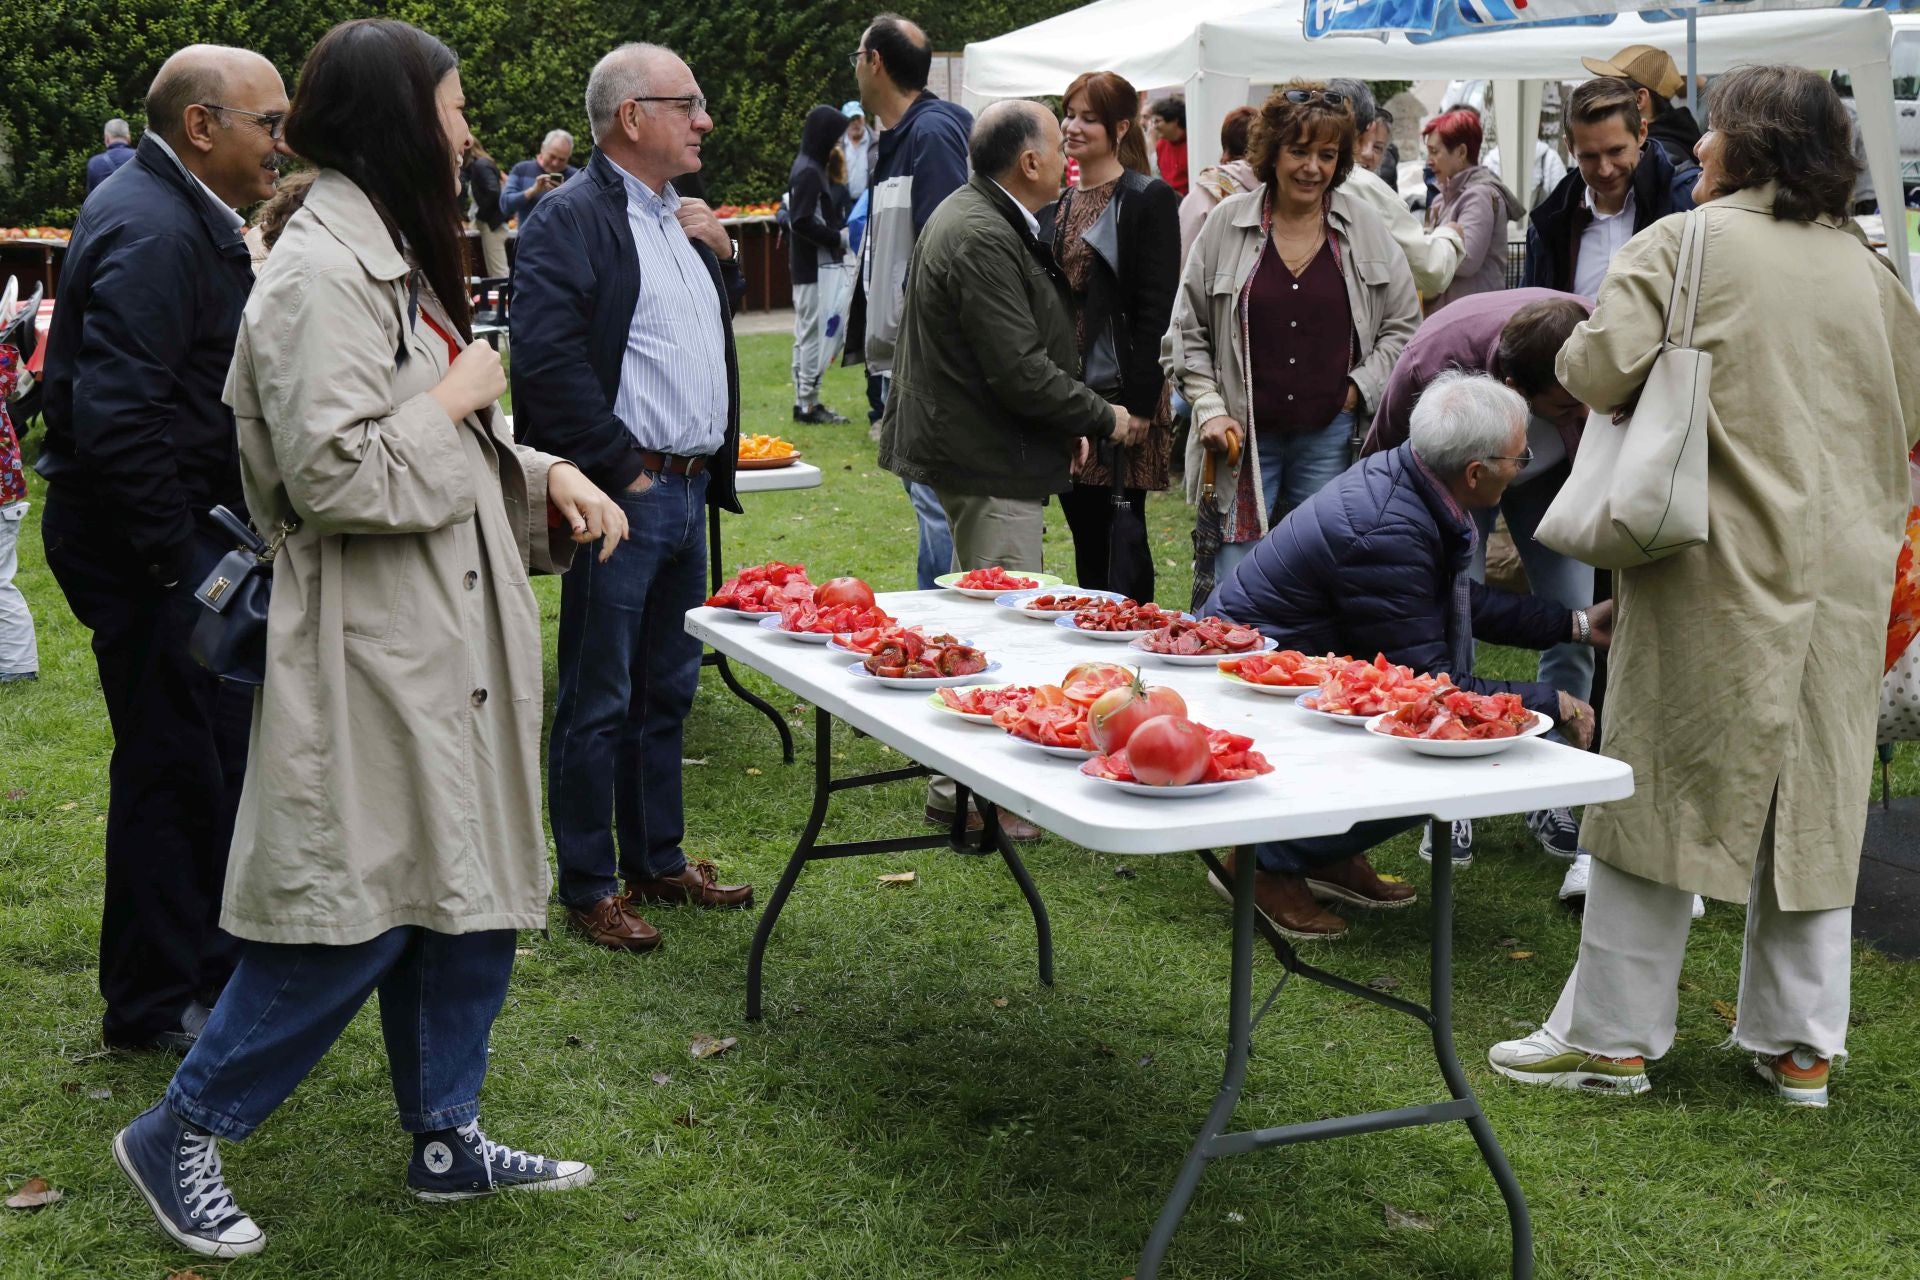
915,1105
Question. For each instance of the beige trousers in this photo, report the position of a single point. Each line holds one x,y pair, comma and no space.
1623,996
493,251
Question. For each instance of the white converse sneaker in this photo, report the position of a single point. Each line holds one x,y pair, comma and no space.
1573,888
1462,843
1542,1059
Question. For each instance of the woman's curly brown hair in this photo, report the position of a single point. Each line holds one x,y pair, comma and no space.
1784,125
289,194
1282,123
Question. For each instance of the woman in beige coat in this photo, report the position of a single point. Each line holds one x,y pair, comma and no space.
1746,672
389,831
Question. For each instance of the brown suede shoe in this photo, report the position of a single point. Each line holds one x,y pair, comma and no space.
1356,882
1286,902
696,885
614,924
1018,829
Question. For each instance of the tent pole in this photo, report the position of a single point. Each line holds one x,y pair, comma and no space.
1693,66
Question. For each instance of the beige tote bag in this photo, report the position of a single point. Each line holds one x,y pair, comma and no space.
1638,488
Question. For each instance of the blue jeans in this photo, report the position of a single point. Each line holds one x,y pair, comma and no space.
1304,857
936,536
1551,575
1292,469
628,674
286,1005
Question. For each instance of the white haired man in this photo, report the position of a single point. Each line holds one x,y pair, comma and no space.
1377,562
119,140
531,179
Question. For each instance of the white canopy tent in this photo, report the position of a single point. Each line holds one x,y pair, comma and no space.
1220,49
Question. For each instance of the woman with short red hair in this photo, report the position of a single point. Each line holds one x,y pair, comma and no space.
1473,197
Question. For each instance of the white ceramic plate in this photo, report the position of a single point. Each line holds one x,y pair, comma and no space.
1352,722
935,701
1014,599
1065,622
1187,792
833,643
1267,645
1460,750
859,669
1271,690
746,615
799,637
1065,753
1041,581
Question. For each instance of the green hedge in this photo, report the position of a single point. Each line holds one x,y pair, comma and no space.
66,66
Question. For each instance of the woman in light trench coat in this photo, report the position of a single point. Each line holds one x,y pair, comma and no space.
389,832
1746,672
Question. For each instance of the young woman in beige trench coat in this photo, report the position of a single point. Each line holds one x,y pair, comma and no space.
1746,671
389,833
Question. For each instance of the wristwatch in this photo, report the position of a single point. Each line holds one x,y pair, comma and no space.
1582,627
736,249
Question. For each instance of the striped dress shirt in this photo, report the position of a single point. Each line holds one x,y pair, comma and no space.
673,377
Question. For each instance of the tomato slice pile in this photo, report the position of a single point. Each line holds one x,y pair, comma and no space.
869,639
1454,715
764,588
1061,604
986,702
1232,759
1086,682
1368,688
836,619
994,579
906,653
1123,615
1050,719
1204,635
1289,668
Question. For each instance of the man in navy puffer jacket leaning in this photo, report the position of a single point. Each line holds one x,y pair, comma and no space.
1376,562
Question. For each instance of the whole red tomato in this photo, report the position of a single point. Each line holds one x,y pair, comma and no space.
1168,751
1117,713
843,591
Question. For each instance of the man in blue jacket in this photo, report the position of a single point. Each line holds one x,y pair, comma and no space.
624,364
531,179
139,448
1619,187
119,140
1377,562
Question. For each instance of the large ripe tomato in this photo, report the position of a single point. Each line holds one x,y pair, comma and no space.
1086,682
1168,751
1116,713
844,591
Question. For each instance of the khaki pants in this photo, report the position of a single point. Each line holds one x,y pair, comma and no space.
1622,998
1007,532
493,251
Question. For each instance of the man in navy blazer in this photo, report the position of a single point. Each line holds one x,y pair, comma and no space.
119,140
624,364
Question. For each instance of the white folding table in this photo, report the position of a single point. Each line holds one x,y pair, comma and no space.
1326,778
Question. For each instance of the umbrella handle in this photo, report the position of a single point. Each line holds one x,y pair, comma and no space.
1233,447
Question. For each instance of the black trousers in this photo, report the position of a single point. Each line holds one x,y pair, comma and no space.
179,752
1089,511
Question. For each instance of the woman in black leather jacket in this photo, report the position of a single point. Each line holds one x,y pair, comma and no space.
816,255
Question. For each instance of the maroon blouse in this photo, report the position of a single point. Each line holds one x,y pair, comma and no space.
1300,330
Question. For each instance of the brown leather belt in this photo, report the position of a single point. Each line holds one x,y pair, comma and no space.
672,464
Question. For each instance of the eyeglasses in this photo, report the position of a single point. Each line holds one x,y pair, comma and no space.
854,58
274,122
692,103
1301,97
1525,459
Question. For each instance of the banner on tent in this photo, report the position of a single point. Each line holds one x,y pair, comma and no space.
1444,19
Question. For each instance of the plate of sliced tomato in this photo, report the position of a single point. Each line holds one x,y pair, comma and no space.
1453,723
921,682
1285,673
862,643
812,623
1229,760
776,624
1051,721
1118,620
976,703
762,589
994,582
1044,604
1201,642
910,659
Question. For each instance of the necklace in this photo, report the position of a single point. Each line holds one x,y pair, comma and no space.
1297,251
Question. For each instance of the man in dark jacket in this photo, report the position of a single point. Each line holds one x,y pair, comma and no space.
1377,562
920,160
1656,80
816,259
531,179
139,449
1618,188
119,140
624,364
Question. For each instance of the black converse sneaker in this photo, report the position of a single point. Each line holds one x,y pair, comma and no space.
463,1163
177,1169
1461,839
1556,831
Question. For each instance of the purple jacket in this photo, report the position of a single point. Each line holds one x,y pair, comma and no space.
1465,336
1483,207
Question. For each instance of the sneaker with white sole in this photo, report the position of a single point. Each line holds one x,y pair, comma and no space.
1556,831
1543,1060
463,1164
1799,1077
1462,843
1573,887
177,1168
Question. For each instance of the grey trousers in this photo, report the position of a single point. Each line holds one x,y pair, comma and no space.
19,654
813,307
493,250
1623,996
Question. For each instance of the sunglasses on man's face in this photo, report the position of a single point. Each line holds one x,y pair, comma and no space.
1301,97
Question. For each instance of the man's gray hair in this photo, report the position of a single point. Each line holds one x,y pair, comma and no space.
1004,132
1462,417
556,135
625,73
117,131
1359,99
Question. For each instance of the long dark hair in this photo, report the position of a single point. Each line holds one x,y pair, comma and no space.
1786,126
366,106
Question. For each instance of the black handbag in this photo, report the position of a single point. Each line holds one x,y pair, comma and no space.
230,638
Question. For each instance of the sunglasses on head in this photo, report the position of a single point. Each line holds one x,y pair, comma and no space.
1301,97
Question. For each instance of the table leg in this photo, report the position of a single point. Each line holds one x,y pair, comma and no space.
719,660
1043,928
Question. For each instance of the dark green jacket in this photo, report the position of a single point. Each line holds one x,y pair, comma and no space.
986,395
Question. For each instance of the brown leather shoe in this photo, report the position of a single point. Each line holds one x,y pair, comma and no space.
614,924
1018,829
1356,882
697,885
1286,902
